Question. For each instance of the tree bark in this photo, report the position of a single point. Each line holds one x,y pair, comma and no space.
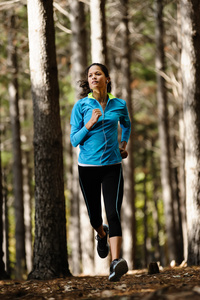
145,210
98,32
98,45
175,190
164,134
78,34
190,65
6,224
155,191
27,208
83,246
3,273
50,252
17,155
180,145
128,208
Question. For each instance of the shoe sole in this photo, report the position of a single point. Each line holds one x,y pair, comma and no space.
120,269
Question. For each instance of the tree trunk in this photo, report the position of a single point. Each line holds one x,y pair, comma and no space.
156,185
164,134
79,64
175,190
180,150
17,156
3,274
128,208
27,187
50,251
190,65
79,218
6,225
27,208
145,209
98,45
78,43
98,32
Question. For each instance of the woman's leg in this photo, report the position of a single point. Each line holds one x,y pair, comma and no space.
115,246
113,193
100,231
90,184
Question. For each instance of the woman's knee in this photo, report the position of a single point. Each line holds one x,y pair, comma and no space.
95,223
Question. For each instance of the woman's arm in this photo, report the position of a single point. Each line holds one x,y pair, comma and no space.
125,125
126,130
78,130
123,145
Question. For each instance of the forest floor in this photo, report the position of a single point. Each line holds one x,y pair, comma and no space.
170,284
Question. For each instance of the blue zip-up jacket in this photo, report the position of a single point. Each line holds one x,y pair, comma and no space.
99,146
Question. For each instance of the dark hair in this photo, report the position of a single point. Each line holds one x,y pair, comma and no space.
84,82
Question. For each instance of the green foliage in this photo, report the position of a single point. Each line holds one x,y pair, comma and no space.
6,158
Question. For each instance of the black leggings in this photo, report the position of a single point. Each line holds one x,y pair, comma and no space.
111,178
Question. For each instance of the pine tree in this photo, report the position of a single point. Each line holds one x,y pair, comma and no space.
190,65
50,246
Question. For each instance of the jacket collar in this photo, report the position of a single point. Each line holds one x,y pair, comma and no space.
109,95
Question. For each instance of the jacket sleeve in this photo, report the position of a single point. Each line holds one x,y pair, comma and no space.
78,130
125,125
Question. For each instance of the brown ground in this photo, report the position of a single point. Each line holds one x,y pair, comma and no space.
170,284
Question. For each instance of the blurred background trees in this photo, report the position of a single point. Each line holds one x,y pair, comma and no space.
152,50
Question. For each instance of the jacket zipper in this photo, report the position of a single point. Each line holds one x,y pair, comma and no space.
104,136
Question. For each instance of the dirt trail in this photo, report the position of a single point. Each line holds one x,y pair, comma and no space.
169,284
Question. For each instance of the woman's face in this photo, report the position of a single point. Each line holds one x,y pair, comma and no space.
96,78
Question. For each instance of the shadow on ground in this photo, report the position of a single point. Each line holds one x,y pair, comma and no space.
170,284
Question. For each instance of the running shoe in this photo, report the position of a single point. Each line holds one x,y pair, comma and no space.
102,243
118,267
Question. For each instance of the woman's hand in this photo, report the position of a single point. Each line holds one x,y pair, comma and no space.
123,153
96,113
122,150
